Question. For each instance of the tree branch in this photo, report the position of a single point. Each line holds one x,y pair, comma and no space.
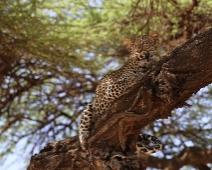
166,86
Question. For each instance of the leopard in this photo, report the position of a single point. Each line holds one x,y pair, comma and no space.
113,85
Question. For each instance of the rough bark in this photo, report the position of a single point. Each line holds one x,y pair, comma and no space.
166,86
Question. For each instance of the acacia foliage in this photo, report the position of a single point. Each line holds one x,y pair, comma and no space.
52,55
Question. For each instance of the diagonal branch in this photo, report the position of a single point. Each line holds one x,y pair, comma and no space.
166,86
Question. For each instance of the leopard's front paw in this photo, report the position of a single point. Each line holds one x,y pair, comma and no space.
143,144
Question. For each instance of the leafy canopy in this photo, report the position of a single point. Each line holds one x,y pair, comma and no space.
52,54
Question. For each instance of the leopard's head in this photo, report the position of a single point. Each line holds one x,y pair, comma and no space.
142,46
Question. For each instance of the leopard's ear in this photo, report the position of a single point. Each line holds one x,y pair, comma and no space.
154,37
127,43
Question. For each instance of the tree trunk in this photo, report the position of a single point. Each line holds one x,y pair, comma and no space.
166,86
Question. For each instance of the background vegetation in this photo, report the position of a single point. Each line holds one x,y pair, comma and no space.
53,53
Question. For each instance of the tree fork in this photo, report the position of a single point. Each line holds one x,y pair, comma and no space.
166,86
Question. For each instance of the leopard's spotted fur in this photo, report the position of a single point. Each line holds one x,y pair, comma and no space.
115,84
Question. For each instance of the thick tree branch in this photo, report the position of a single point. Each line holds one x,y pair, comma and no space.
166,86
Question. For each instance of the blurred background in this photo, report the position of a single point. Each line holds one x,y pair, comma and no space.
53,53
